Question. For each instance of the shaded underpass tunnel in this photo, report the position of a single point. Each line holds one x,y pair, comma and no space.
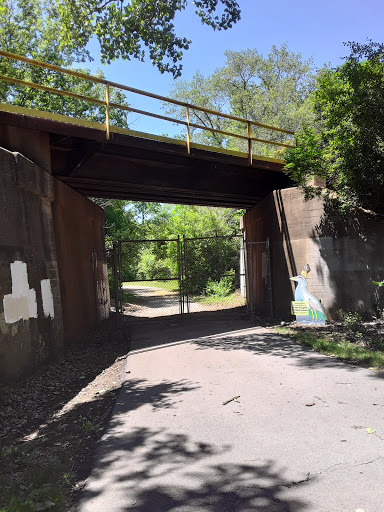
54,276
54,281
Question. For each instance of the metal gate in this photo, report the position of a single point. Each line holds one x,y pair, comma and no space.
213,273
148,277
153,278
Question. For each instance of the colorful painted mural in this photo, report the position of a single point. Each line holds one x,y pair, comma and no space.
306,308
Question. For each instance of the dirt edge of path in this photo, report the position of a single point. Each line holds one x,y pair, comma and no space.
51,423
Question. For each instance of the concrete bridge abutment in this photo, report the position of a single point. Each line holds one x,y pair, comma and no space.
345,254
48,232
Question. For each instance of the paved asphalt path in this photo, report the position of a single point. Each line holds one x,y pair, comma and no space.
295,440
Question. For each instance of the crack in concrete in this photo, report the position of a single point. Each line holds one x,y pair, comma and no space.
305,480
368,462
345,465
331,468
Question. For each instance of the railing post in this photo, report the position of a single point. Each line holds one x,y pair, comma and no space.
107,109
249,142
188,134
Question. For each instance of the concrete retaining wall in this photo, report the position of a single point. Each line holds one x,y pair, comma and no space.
345,255
31,327
80,237
47,284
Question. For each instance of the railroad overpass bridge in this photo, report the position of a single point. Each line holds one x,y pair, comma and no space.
139,166
53,280
102,160
53,275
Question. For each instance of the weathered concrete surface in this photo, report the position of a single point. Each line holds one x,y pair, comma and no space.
295,440
50,279
79,229
345,255
29,275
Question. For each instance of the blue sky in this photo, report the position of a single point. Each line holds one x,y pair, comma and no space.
314,29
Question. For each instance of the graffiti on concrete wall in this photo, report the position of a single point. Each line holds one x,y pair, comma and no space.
306,308
21,304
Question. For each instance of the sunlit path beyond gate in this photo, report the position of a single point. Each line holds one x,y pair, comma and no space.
161,277
218,416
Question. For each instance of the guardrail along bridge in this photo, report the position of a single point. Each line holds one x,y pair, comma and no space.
100,159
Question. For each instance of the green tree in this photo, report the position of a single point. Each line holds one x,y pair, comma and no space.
123,28
30,28
119,221
200,221
147,216
346,146
206,258
273,90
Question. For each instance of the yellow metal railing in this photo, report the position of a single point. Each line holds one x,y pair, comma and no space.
108,105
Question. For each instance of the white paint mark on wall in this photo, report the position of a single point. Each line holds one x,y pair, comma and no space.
21,303
20,285
32,303
46,293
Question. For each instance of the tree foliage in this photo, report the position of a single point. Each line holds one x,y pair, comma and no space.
346,146
272,90
206,259
30,28
124,28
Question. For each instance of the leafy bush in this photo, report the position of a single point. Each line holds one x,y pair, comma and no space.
151,267
351,321
221,288
208,260
379,307
345,143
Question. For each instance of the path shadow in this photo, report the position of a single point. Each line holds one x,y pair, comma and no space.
136,393
277,345
147,332
153,470
222,331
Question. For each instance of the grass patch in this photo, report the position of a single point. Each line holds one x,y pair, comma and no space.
212,300
37,485
336,344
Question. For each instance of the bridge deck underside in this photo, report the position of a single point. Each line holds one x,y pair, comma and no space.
138,169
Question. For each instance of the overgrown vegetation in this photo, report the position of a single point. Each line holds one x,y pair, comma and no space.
349,339
345,144
206,258
42,488
222,288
